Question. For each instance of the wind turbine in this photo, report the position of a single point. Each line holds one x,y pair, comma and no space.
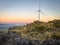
39,11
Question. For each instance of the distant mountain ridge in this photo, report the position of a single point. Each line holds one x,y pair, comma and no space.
6,26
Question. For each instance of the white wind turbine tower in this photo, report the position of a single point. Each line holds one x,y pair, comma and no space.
39,11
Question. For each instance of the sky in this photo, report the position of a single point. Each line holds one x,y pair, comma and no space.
26,11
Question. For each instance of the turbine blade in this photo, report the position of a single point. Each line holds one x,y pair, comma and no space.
42,12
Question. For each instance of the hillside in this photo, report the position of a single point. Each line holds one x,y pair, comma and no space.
36,33
39,30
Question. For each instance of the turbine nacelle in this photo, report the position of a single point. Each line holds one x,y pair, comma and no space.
39,11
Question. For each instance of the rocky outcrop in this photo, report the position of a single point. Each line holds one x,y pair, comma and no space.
16,39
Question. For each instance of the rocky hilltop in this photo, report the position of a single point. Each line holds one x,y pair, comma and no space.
36,33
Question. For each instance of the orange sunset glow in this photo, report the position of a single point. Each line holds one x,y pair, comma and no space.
27,11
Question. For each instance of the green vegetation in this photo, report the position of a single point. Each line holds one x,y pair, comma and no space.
40,30
56,24
35,33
